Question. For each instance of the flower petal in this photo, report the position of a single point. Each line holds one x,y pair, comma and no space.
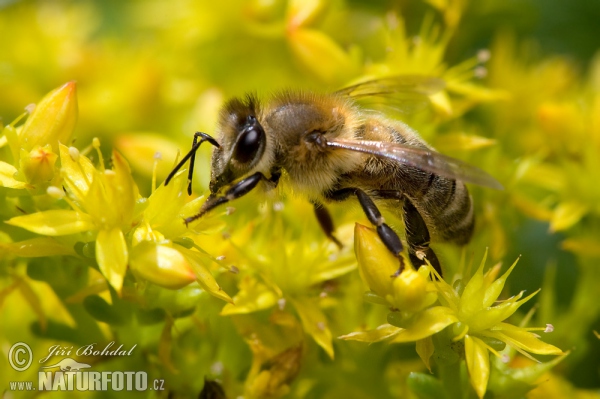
478,364
112,255
203,275
165,205
314,322
122,192
251,297
7,173
381,333
37,247
426,323
77,170
567,214
54,222
521,338
494,290
489,317
471,300
331,270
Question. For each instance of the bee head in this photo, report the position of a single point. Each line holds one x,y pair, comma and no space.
243,142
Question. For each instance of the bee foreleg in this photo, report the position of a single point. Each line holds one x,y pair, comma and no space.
417,237
326,222
385,232
191,155
237,190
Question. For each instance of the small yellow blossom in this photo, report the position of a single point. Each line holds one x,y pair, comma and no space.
38,165
289,275
102,201
479,321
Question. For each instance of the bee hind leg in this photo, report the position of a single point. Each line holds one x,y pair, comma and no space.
326,222
385,232
417,238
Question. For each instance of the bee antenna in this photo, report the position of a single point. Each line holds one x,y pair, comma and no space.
191,155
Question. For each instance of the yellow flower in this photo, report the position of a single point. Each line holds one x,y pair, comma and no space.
288,276
102,201
34,145
480,322
160,252
470,313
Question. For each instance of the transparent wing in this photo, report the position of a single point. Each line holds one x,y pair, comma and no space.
422,158
404,93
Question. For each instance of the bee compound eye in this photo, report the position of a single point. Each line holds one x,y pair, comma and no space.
248,144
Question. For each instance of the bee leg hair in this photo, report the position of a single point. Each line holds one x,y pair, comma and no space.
385,232
326,223
417,237
237,190
191,155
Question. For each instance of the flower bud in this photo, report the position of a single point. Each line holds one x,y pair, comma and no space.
38,165
410,291
161,265
53,119
375,262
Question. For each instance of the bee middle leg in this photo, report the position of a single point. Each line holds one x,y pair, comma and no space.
385,232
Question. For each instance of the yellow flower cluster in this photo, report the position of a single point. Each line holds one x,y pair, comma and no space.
106,207
471,311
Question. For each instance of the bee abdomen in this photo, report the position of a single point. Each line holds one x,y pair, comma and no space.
450,208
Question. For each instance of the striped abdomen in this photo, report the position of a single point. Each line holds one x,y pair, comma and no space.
444,204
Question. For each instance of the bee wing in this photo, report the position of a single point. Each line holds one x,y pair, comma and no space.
404,93
421,158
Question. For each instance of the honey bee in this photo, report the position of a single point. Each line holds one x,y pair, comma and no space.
330,148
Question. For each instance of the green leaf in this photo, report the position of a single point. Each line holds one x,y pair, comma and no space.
101,310
425,386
